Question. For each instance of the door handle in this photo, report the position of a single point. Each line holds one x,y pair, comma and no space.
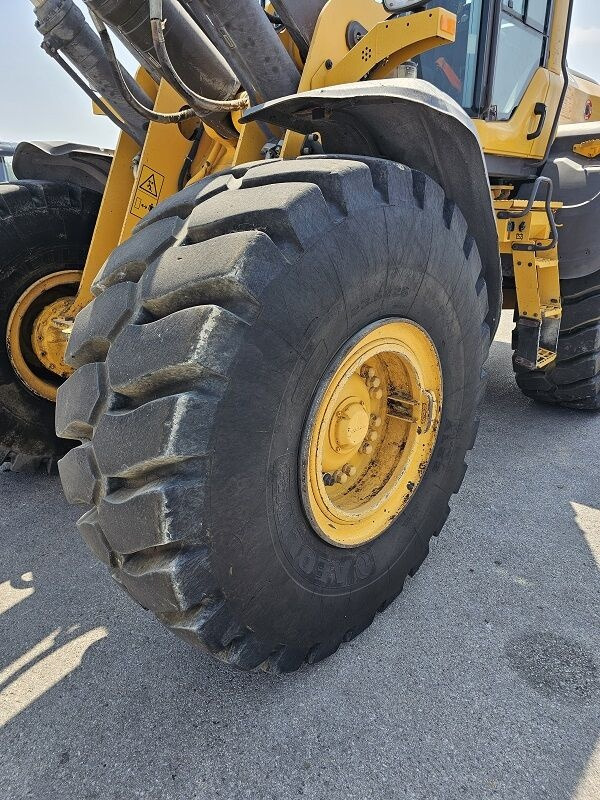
541,111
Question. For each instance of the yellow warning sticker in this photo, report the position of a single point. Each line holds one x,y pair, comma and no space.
148,190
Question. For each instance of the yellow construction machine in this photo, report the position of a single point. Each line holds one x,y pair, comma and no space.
265,318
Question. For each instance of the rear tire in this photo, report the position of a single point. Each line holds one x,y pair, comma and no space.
573,380
198,361
45,227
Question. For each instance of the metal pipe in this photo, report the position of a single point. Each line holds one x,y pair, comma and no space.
145,111
65,30
208,26
196,101
95,98
300,18
196,60
252,46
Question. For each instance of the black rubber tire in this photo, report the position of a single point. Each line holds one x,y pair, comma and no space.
45,227
198,361
573,381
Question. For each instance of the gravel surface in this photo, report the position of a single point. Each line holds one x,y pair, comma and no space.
481,681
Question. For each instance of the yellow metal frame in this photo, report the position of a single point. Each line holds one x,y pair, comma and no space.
388,42
536,272
126,199
589,149
132,191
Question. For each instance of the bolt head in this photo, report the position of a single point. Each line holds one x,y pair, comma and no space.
349,470
340,477
366,448
375,421
376,394
373,436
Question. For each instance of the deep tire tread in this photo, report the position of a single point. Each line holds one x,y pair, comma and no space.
222,217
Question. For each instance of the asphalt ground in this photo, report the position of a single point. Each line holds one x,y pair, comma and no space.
481,681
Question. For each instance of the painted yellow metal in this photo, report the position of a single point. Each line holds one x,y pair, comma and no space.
252,140
329,38
387,43
527,230
127,200
165,149
509,138
537,274
371,432
213,155
582,101
50,333
37,333
110,219
589,149
113,207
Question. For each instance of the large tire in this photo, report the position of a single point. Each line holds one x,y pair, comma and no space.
197,363
573,380
45,227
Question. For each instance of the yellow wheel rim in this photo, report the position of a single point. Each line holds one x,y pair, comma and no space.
37,333
371,432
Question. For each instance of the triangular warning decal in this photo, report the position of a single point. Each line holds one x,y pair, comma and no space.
149,185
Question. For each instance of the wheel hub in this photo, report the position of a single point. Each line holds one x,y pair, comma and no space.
49,337
37,334
349,426
371,432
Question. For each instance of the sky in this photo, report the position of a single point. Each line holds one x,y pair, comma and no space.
39,101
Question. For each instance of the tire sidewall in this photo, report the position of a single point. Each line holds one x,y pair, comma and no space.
256,507
39,241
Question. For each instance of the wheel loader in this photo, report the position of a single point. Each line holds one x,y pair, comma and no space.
266,319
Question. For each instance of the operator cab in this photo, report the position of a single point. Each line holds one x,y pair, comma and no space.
499,46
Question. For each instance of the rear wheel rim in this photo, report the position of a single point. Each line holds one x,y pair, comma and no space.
370,432
35,341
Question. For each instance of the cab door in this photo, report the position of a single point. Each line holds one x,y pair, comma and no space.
526,79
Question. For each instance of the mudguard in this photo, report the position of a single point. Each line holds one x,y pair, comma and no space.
80,164
413,123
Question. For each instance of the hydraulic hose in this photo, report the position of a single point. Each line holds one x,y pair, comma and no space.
195,59
147,113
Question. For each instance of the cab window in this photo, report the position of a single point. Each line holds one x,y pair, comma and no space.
453,67
521,50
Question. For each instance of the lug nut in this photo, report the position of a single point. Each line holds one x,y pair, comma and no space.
340,476
373,436
375,421
367,372
376,394
366,448
374,383
349,470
